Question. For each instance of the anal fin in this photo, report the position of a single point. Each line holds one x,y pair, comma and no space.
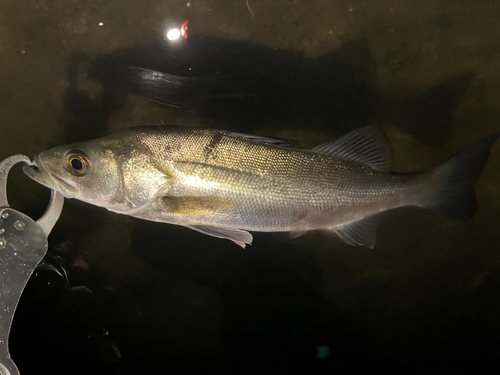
361,232
238,236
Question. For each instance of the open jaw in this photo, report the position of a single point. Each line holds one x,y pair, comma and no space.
38,172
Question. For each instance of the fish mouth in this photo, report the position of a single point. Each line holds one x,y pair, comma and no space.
41,174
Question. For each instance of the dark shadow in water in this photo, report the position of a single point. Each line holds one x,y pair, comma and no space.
85,116
274,322
275,319
60,323
428,116
250,85
210,261
274,316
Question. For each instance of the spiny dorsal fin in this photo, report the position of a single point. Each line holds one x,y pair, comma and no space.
368,146
361,232
274,141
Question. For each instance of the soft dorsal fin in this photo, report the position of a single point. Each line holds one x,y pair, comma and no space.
361,232
368,146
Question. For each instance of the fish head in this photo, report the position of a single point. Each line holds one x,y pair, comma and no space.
87,171
118,172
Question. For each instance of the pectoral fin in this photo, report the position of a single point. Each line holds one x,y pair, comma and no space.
196,206
240,237
361,232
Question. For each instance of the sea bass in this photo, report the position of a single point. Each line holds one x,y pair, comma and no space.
226,184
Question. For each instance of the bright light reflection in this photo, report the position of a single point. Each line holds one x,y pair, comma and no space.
173,34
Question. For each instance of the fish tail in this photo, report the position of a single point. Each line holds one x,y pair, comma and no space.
455,196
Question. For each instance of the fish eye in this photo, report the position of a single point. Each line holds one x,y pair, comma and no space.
78,162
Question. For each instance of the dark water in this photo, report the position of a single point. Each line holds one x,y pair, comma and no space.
164,299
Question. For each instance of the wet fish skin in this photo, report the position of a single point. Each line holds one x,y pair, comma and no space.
225,184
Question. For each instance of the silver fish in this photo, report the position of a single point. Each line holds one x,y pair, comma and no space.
225,184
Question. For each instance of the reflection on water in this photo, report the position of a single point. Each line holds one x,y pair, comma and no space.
145,296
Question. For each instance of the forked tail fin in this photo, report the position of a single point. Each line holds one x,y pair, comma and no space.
456,198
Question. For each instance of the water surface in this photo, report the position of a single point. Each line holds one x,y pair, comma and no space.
425,298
